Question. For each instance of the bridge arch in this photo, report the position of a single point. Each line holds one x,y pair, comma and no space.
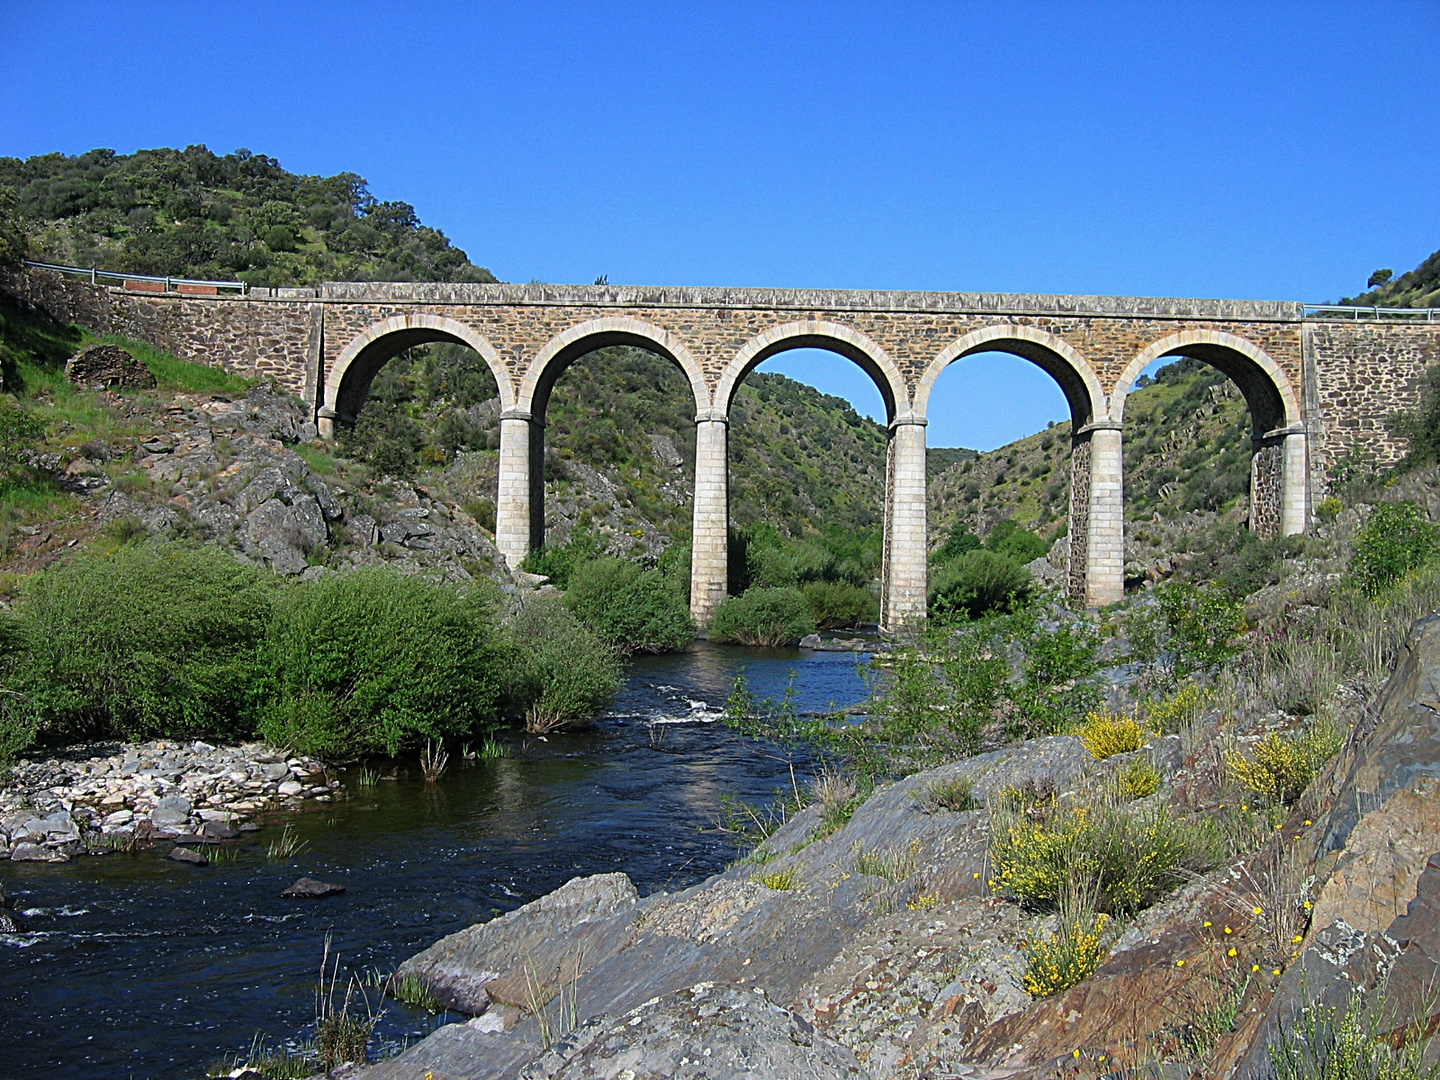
817,334
347,383
569,345
1279,472
1053,355
1267,389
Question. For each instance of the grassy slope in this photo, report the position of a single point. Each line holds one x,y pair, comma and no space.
1417,288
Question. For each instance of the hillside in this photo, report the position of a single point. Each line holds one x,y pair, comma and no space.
192,213
1187,448
1417,288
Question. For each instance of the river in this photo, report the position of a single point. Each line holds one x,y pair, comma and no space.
137,967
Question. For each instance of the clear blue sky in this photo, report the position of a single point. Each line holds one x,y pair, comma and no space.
1207,149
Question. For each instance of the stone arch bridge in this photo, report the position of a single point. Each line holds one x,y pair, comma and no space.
1319,388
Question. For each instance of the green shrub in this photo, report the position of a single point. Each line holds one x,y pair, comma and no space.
1396,541
152,639
372,661
1014,542
762,616
20,430
957,543
557,671
558,562
1203,623
633,610
835,604
976,584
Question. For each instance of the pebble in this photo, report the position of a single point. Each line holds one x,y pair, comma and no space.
48,807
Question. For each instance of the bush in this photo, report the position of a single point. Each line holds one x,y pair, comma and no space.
762,616
1126,860
558,671
1106,734
835,604
153,639
1203,623
372,661
559,562
633,610
1396,541
1014,542
957,543
1058,961
976,584
1137,780
1281,768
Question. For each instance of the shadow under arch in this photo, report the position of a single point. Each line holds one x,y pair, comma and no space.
347,384
817,334
1266,388
1078,381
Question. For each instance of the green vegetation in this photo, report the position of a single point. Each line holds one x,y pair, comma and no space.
174,640
1106,734
1417,288
631,609
1057,961
1125,859
371,661
174,374
191,213
1396,541
154,639
976,584
1353,1041
558,671
763,616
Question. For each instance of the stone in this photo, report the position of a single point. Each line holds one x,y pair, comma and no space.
290,788
171,811
101,367
461,969
810,641
185,855
218,830
713,1031
27,852
274,770
120,817
309,889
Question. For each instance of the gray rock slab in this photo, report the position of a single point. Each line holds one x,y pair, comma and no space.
307,888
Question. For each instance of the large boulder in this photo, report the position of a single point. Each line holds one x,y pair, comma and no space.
99,367
715,1032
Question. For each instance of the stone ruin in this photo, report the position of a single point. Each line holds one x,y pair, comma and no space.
101,367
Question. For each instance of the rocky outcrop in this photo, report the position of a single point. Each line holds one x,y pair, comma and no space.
103,367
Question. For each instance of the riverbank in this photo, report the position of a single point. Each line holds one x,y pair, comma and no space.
95,798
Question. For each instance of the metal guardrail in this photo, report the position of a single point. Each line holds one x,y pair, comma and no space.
139,282
1390,314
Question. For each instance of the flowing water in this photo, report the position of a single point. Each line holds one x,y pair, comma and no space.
134,966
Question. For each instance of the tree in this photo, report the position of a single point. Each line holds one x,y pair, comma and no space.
1379,277
13,243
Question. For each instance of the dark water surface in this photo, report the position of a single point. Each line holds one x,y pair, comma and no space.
136,966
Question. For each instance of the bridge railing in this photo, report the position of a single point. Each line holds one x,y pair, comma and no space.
1384,314
145,282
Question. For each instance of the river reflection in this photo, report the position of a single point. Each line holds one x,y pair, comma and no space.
135,966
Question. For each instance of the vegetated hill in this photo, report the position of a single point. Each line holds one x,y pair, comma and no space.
1187,447
1417,288
192,213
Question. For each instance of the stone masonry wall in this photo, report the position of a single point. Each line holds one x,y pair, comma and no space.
254,338
1360,374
